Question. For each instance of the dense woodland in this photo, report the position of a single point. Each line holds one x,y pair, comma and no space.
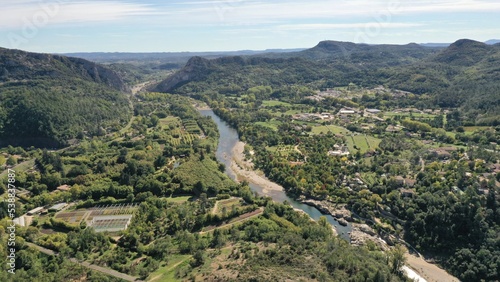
47,100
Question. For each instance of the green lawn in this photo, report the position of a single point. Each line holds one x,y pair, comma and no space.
180,199
364,143
272,103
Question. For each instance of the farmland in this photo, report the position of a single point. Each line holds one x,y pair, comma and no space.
79,215
224,206
363,143
324,129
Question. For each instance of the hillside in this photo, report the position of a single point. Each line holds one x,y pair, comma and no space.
465,75
461,75
45,100
376,55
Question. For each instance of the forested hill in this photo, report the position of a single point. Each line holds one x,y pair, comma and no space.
465,74
377,55
45,100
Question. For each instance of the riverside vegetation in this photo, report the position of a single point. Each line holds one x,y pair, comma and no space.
423,169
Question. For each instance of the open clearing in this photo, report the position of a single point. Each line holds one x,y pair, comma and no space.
363,142
167,272
324,129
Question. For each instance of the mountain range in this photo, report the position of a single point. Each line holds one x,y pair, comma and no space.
46,100
465,74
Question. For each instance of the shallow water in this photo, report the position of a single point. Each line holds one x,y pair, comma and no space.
228,139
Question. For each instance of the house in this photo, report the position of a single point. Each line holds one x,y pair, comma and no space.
64,188
35,211
373,111
409,182
392,128
339,151
58,207
407,193
399,180
346,112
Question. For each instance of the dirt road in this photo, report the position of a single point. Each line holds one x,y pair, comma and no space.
88,265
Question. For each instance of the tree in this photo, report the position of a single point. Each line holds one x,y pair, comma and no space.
11,161
198,258
396,258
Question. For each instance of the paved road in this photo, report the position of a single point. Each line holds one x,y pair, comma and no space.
88,265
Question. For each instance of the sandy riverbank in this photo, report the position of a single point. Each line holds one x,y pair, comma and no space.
430,272
244,171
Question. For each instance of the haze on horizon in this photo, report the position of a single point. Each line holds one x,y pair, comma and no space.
60,26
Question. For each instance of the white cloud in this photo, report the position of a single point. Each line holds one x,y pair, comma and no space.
230,12
347,26
18,14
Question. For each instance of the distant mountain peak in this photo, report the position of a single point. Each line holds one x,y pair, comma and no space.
463,52
464,43
492,41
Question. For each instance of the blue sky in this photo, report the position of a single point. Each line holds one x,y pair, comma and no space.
59,26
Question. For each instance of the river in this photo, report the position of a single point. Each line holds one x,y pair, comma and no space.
227,141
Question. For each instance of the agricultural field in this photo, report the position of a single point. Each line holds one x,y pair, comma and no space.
73,217
179,199
227,205
273,103
282,150
415,115
329,128
166,122
76,216
191,127
369,178
362,142
273,124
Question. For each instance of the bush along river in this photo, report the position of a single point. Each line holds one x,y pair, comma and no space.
225,154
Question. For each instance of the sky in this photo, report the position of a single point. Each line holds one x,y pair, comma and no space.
62,26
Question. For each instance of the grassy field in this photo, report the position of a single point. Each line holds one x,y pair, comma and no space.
333,128
362,142
282,150
273,124
416,115
170,120
228,205
180,199
272,103
167,272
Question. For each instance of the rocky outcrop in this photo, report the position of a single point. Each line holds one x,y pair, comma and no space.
196,68
338,212
361,234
